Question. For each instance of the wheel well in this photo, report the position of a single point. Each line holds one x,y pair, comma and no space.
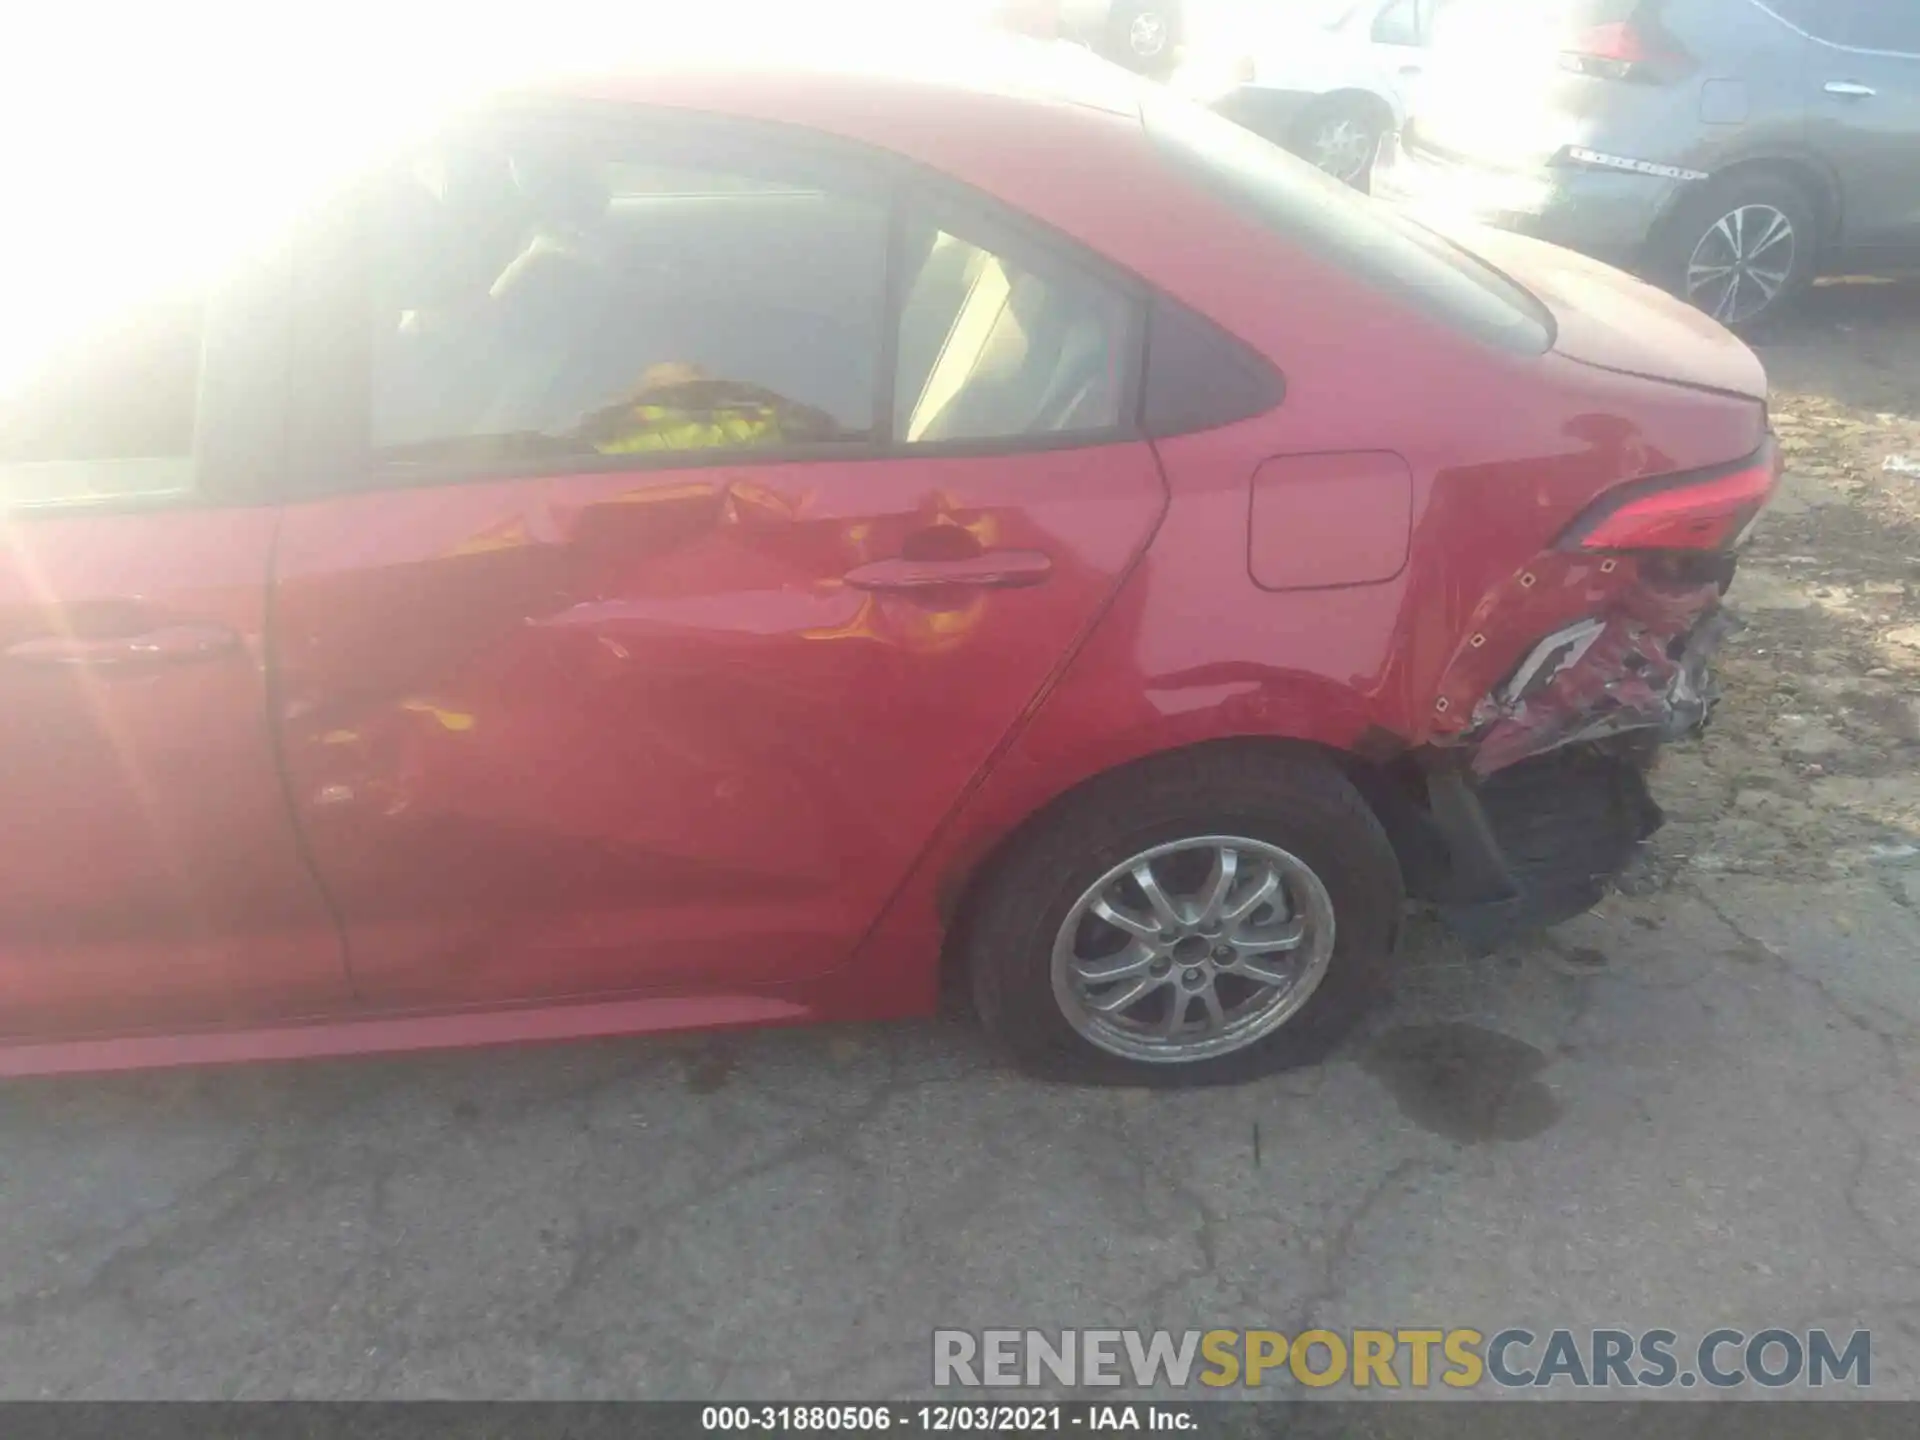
1389,786
1350,98
1819,186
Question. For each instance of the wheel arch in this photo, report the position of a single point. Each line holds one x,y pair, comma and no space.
1383,775
1819,181
1358,97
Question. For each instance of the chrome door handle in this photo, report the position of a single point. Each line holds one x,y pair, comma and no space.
1852,89
169,645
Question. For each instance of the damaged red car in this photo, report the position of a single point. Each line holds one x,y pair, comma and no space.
728,545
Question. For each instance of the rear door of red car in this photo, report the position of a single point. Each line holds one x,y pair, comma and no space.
713,510
149,873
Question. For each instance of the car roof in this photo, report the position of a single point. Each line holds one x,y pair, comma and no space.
921,95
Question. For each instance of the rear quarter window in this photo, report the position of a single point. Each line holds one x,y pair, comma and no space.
1365,237
1198,378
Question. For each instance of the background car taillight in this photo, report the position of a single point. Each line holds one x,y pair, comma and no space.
1625,50
1707,512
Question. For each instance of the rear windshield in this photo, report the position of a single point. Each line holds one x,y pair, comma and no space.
1363,236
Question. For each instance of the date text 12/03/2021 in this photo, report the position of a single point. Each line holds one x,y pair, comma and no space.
942,1419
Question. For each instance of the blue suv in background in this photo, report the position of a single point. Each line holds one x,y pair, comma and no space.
1730,150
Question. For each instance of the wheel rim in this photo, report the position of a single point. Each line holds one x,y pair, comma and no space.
1342,146
1193,949
1742,263
1147,35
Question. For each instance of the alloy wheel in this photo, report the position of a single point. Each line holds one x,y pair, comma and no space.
1742,263
1343,147
1147,35
1193,949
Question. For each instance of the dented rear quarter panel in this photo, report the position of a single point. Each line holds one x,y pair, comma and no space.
1194,650
1501,452
1217,655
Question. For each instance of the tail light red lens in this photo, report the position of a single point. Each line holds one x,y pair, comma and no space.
1621,40
1622,50
1708,512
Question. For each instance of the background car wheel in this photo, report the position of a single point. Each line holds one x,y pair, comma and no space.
1742,250
1143,35
1197,919
1342,137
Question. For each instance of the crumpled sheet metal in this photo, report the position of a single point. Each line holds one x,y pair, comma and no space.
1646,667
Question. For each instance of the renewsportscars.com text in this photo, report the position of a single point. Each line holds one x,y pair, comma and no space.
1415,1359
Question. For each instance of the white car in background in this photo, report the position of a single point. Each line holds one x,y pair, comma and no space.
1143,35
1327,79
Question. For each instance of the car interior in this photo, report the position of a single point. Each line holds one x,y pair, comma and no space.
519,293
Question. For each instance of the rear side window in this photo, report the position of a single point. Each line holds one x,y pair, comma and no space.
999,341
561,295
573,297
105,414
1198,378
1304,205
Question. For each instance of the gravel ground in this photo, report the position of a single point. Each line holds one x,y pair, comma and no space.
1692,1108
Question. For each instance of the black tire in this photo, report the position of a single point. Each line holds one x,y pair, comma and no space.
1365,123
1568,823
1691,230
1296,801
1117,44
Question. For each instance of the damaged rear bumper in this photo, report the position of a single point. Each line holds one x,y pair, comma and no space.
1647,668
1542,799
1541,842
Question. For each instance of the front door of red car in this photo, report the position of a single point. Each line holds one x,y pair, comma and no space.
149,875
693,569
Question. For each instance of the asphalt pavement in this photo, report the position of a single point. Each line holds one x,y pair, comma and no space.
1694,1109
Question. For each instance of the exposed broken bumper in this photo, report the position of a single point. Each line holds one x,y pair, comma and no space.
1542,800
1646,668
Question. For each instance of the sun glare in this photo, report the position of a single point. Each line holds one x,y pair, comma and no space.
147,147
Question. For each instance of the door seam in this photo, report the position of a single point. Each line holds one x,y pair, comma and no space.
276,738
1018,728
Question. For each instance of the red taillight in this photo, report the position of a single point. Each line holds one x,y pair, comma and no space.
1621,50
1709,512
1619,41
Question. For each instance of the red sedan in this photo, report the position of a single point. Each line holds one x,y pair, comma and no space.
712,547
